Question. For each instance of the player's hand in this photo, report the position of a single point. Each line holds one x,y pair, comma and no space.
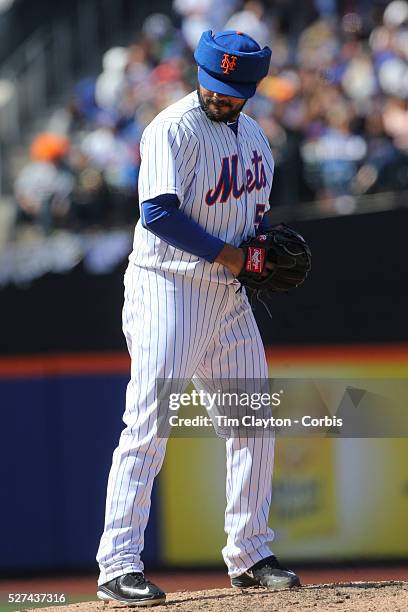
232,258
278,260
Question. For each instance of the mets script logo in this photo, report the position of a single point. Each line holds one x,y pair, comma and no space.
228,181
229,63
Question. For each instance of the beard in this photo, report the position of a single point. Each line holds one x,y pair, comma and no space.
217,112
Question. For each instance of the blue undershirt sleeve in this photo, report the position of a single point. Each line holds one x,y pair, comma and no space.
162,217
264,226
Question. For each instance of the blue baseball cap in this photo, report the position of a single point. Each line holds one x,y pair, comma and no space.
231,63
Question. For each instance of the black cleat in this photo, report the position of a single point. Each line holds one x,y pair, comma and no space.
132,589
268,573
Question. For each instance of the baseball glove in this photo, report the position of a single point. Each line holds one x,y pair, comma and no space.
276,261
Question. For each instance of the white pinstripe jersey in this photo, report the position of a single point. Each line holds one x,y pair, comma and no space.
223,182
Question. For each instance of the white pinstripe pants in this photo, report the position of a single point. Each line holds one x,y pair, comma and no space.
177,327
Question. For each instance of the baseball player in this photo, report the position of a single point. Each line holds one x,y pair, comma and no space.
204,185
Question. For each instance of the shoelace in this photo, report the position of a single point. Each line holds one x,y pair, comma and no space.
140,579
264,304
269,562
277,566
256,293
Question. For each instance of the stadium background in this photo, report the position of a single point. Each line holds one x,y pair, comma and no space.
335,110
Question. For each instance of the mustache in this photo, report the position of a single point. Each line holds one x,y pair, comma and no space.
218,103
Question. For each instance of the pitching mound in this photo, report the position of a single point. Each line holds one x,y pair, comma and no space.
351,597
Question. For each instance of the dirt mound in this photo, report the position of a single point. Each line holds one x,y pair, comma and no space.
349,597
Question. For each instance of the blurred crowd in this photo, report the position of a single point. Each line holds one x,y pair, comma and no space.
334,107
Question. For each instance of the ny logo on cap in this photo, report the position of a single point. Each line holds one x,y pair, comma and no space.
229,63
